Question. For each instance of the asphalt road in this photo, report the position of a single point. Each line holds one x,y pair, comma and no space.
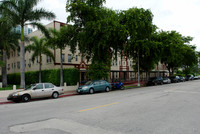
166,109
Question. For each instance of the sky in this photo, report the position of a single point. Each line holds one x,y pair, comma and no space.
179,15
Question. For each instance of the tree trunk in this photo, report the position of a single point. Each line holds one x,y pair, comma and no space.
22,59
40,70
61,69
4,70
147,76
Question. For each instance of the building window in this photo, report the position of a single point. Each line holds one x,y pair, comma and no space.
116,62
76,57
29,64
37,60
18,65
63,57
48,59
113,62
18,53
8,66
12,65
69,58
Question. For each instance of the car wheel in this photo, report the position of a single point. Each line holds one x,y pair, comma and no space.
26,98
107,89
91,91
55,95
122,87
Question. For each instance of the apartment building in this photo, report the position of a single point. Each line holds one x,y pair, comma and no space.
120,68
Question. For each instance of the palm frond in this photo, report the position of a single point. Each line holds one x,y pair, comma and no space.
41,28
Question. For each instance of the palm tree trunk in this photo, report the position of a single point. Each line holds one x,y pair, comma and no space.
4,70
40,70
22,59
61,69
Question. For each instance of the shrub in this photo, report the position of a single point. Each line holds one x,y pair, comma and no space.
71,77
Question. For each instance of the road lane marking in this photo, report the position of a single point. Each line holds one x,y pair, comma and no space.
98,107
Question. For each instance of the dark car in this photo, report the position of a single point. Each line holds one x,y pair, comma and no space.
189,77
182,79
155,81
174,79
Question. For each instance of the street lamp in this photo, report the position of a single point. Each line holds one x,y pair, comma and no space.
138,70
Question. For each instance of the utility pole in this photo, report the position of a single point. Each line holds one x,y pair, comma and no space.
138,70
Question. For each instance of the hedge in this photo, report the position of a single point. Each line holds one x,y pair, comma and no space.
70,76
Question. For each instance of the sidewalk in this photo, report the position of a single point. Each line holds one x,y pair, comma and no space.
4,95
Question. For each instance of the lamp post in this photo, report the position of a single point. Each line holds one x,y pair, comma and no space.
138,70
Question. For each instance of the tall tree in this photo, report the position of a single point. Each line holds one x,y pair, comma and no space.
140,44
8,41
60,39
24,12
190,58
39,47
173,47
100,35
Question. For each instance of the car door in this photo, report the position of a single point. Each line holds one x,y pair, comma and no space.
102,85
49,89
96,85
38,91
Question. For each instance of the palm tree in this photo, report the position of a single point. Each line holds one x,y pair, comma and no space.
60,39
23,12
39,47
8,41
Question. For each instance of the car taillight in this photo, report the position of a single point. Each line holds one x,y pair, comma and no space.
62,89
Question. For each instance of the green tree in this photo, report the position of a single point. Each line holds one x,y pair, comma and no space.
174,49
141,45
23,12
99,34
39,47
8,41
60,39
190,59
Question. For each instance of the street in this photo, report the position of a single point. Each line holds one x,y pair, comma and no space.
162,109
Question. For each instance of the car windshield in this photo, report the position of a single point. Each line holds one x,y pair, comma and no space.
30,87
88,83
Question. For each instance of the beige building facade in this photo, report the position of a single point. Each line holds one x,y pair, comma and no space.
120,68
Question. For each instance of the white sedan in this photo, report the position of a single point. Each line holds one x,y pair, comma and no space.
34,91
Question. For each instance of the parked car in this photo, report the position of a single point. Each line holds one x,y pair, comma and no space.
182,79
189,77
155,81
174,79
196,77
166,80
38,90
94,86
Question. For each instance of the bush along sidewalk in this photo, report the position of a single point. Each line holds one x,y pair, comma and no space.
71,77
